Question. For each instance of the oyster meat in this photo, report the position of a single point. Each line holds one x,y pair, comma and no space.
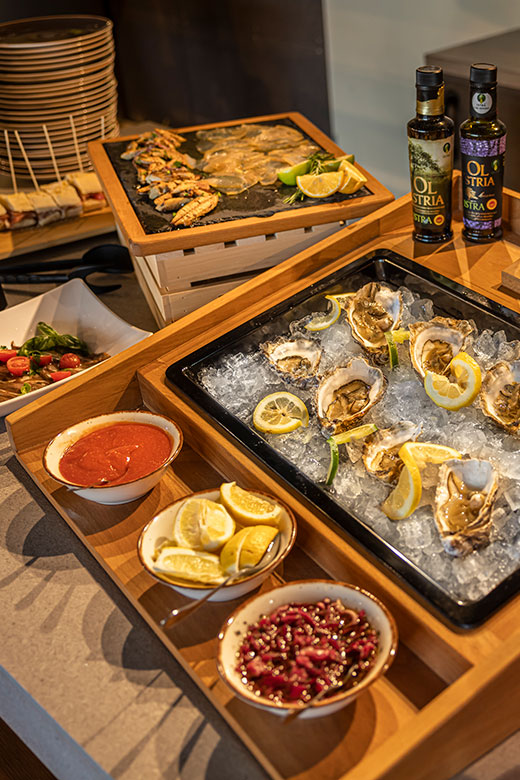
346,394
297,359
381,450
371,312
433,344
463,503
500,395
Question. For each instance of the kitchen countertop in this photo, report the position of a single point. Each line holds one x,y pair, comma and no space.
83,680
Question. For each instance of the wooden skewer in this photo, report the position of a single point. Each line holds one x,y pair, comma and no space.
102,128
10,158
29,166
76,147
51,152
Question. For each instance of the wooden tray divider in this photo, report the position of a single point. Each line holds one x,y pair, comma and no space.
451,694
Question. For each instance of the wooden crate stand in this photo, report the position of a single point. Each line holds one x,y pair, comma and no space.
451,694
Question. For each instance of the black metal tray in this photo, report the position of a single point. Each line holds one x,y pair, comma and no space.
257,201
450,299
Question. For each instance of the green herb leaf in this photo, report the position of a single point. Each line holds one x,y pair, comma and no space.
25,388
49,338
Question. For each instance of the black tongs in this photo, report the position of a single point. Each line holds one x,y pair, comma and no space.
106,258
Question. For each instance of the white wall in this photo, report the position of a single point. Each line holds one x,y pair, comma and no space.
373,49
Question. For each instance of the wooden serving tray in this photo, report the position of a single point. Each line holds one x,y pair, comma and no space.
143,244
450,695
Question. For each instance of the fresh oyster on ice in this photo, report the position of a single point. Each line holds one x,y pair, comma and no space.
381,450
463,503
297,359
500,395
371,312
346,393
433,344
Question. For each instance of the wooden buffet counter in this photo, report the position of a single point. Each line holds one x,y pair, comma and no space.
451,694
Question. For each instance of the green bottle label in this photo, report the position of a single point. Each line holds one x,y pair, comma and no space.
431,166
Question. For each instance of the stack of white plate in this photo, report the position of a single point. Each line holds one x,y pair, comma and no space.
52,68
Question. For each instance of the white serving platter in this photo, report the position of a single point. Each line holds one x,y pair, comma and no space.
70,308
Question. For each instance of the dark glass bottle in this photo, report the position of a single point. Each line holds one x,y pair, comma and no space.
430,151
482,150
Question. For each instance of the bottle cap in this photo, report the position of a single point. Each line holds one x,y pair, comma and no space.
483,73
428,76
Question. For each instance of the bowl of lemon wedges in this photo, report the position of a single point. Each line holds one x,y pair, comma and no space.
195,543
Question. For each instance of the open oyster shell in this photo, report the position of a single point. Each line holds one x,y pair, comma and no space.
463,503
297,359
380,450
346,393
500,395
433,344
371,312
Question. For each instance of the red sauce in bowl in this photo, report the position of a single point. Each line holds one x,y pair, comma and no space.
116,454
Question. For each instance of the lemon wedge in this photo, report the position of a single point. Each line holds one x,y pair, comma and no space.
246,547
324,321
425,452
280,412
353,178
320,185
202,524
247,507
462,392
404,498
187,564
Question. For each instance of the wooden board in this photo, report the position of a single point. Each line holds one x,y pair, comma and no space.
424,721
142,243
93,223
511,276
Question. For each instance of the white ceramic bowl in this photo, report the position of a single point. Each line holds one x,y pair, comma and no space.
305,591
111,494
71,308
160,529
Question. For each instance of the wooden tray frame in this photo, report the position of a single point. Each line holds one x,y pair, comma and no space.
451,695
141,243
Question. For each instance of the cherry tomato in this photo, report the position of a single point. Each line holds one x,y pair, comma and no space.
7,354
42,360
56,376
70,360
18,365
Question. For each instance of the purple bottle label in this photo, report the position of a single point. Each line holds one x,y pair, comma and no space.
482,179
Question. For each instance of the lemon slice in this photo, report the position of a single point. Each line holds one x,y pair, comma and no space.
462,392
324,321
320,185
187,564
344,299
353,180
280,412
425,452
400,335
247,507
355,433
289,175
202,524
246,547
404,498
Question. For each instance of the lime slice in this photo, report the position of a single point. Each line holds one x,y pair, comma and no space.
355,433
393,357
324,321
320,185
280,412
247,507
289,175
333,165
334,461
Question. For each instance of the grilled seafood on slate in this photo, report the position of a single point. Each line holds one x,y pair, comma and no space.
500,395
463,503
433,344
195,208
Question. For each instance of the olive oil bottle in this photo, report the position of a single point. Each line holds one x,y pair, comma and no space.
430,151
482,150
